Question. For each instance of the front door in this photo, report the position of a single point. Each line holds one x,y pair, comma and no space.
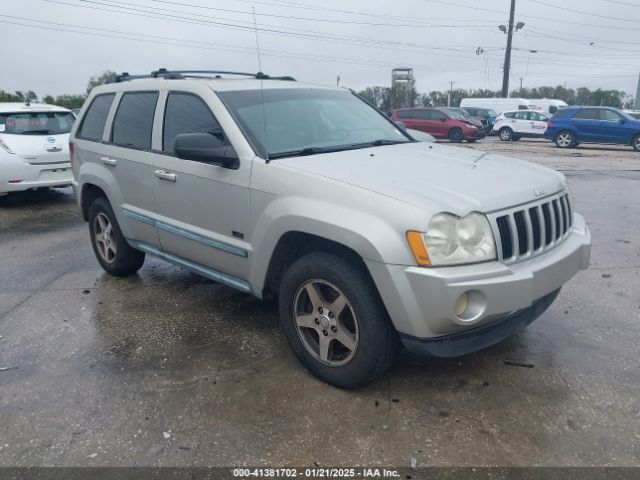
202,208
587,125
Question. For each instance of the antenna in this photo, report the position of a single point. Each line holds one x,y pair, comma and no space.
261,77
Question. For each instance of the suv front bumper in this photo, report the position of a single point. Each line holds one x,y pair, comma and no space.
502,299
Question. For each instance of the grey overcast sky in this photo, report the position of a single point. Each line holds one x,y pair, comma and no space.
54,46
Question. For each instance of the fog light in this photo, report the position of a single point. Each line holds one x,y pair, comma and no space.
461,304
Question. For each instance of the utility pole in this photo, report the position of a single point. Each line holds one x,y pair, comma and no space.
520,85
637,106
450,93
507,54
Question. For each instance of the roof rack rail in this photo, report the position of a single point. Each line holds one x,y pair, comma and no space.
182,74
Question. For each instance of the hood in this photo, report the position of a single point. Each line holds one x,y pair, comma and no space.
432,176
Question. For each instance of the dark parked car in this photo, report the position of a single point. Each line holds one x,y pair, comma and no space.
439,122
486,116
574,125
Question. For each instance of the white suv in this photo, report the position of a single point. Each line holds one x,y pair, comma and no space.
517,124
34,146
370,239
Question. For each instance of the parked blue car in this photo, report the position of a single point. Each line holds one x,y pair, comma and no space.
574,125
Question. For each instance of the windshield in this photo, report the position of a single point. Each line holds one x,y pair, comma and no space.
458,114
296,121
36,123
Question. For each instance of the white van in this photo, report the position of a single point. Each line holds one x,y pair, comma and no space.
548,105
500,104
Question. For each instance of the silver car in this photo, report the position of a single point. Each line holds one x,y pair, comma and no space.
369,239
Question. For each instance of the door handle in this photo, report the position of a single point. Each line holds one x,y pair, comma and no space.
170,177
109,161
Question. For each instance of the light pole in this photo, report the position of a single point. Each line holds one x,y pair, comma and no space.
450,93
507,56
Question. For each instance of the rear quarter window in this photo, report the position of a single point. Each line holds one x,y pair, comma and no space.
561,114
96,117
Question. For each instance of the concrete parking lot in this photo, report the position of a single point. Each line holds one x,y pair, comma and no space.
169,369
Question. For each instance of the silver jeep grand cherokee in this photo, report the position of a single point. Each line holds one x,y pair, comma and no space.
369,239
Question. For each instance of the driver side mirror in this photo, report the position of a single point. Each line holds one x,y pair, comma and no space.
206,148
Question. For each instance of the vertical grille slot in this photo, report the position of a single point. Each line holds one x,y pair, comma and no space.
565,217
556,215
535,227
566,199
546,214
521,227
505,236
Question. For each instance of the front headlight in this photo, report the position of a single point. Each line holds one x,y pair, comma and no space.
451,240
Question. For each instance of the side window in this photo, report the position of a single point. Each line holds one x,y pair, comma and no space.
96,117
133,123
588,114
404,114
553,109
509,114
521,115
187,113
610,116
424,114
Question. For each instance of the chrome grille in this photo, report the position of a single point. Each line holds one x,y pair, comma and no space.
528,230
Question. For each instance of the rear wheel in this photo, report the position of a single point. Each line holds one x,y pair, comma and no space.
636,143
111,248
565,139
505,134
456,135
334,320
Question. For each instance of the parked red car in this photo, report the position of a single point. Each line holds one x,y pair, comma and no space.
439,122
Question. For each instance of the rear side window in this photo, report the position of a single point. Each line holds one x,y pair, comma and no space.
588,114
610,116
187,113
133,123
96,117
509,114
405,114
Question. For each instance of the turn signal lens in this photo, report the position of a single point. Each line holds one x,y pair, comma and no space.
416,243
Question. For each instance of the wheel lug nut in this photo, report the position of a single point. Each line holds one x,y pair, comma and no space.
334,329
317,321
325,333
330,314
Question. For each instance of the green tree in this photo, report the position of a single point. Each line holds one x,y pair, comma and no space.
105,77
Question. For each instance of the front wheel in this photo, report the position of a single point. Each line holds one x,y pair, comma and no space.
456,135
111,248
334,320
565,139
505,134
636,143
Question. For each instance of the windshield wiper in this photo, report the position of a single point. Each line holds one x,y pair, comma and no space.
338,148
309,151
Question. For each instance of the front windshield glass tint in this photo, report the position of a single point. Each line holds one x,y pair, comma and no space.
296,119
36,123
457,114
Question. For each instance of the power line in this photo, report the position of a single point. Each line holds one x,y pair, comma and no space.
273,30
590,14
548,19
156,39
623,3
315,19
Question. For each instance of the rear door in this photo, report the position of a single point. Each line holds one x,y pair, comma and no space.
123,158
437,123
587,125
203,208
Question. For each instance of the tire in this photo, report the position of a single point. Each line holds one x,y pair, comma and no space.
565,139
636,143
515,138
109,245
456,135
505,134
372,341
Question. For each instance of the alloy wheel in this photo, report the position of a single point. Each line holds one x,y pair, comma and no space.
326,322
564,140
103,236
